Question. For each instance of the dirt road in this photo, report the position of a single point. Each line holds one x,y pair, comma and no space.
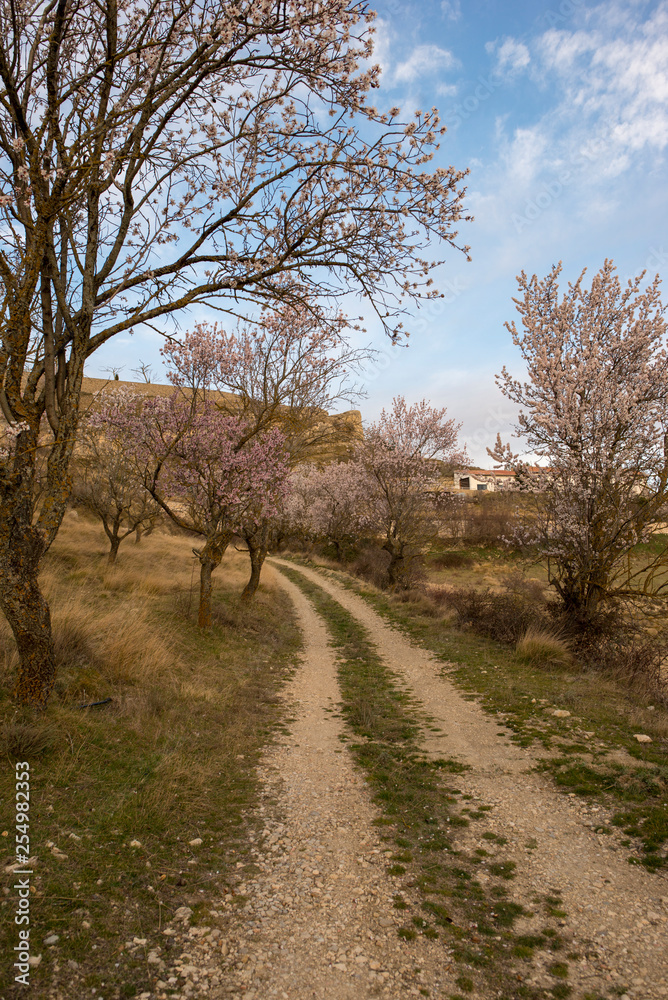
319,920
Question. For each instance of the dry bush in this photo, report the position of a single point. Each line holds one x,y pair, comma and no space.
488,518
638,661
371,564
421,600
505,617
451,560
527,587
541,648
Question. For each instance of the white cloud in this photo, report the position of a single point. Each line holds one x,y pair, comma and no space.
424,60
381,46
524,155
511,56
452,9
614,72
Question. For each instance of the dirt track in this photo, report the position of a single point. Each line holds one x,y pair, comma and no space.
319,921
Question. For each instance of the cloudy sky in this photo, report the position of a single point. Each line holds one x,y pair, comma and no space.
560,111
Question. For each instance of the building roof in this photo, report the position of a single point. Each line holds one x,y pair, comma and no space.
498,473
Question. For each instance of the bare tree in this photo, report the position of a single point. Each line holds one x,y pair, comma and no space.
596,411
153,158
144,371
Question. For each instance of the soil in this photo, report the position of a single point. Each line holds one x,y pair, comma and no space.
317,916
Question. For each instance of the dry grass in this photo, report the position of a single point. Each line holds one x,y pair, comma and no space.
170,757
540,648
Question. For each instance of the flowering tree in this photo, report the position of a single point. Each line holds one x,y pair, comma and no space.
284,371
596,410
331,502
198,465
157,156
106,482
287,368
399,459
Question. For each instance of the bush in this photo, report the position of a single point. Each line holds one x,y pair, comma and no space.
451,560
637,661
488,518
371,564
505,617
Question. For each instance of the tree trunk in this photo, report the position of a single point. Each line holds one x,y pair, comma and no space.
138,533
28,615
114,542
396,568
204,614
210,557
257,557
258,543
22,546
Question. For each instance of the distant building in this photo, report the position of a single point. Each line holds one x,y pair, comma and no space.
486,479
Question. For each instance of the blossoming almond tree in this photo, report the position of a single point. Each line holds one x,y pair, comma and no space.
330,502
107,484
156,156
596,410
199,466
286,370
399,458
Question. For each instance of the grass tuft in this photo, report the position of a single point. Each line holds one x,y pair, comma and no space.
540,648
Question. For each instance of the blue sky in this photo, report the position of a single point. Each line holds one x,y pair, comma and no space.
560,111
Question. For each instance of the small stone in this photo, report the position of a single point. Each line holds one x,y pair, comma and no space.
642,738
51,939
85,924
386,922
195,842
135,843
561,713
183,913
34,960
140,941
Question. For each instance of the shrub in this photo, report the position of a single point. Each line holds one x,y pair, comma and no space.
488,518
371,565
505,617
637,661
451,560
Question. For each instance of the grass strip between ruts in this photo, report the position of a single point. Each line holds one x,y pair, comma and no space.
605,715
421,811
